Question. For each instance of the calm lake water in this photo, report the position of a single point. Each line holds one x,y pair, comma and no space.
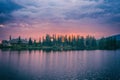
65,65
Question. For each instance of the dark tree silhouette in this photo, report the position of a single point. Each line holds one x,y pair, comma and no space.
30,42
10,37
19,40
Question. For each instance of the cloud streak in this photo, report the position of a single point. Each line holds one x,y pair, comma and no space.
63,10
6,8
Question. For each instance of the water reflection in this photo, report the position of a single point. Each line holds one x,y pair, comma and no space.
70,65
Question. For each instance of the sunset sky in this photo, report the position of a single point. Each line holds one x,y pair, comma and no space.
35,18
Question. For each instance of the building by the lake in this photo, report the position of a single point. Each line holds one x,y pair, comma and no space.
14,41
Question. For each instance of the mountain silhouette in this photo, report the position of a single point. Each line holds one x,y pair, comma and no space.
115,36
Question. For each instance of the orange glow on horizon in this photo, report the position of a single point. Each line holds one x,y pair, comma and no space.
37,31
37,37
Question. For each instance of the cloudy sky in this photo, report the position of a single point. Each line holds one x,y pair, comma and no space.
35,18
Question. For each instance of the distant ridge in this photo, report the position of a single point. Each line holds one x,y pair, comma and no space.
116,36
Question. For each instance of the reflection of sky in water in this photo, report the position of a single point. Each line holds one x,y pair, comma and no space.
70,65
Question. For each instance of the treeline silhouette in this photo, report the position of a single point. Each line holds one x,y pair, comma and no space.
70,43
77,42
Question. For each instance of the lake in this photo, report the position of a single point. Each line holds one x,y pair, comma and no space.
65,65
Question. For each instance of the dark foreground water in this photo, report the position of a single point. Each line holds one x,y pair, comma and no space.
70,65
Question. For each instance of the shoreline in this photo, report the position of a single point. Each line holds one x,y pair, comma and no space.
52,48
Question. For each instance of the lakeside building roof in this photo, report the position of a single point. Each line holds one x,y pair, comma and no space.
15,41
